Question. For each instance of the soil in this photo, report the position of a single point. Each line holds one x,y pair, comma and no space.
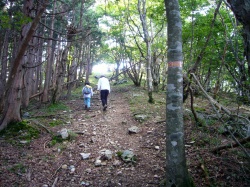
41,164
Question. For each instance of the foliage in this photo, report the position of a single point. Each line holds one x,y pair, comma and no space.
15,132
18,168
56,107
16,21
56,123
58,139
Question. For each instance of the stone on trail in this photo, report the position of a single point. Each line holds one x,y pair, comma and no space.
72,169
127,156
157,147
133,129
64,133
141,117
106,154
64,166
85,155
98,162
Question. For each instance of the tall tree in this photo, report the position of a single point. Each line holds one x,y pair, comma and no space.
48,72
148,40
241,9
12,93
176,168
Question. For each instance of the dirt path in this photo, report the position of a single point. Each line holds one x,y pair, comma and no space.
62,165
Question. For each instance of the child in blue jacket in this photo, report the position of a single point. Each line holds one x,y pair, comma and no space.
87,92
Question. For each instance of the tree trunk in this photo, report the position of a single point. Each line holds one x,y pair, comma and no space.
48,72
176,168
4,60
87,60
241,9
147,40
62,65
12,94
71,77
199,58
27,79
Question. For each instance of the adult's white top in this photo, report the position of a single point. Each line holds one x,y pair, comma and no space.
103,84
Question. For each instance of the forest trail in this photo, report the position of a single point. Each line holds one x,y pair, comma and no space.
93,154
63,165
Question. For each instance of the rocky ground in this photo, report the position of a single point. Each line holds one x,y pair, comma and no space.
38,164
94,155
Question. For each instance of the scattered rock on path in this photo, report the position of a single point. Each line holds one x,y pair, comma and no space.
85,155
106,154
64,133
141,117
127,156
133,129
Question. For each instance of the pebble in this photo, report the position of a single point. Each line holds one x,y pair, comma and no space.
98,163
119,173
88,170
157,147
72,169
23,141
64,166
85,155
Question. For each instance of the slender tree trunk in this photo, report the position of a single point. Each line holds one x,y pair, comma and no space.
117,70
48,72
176,168
61,68
62,65
71,77
199,58
87,67
147,40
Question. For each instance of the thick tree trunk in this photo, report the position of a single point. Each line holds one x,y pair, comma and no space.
12,93
4,60
27,80
241,9
176,168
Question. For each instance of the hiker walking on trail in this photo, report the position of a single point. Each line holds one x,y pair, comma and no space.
87,92
104,87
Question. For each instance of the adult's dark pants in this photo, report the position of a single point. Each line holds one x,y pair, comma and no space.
104,97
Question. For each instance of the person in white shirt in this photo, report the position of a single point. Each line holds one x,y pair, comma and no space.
104,87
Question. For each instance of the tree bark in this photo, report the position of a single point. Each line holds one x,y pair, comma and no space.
4,60
48,72
176,168
147,40
241,10
12,94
